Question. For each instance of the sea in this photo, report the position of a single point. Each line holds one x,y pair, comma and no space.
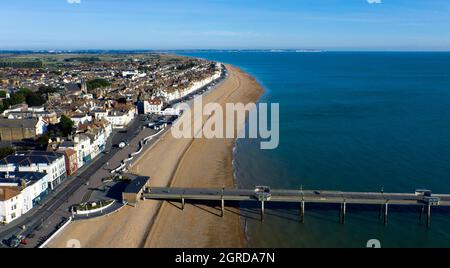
349,121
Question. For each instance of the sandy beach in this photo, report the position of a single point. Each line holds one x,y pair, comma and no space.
184,162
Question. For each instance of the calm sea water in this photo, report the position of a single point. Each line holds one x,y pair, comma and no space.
354,122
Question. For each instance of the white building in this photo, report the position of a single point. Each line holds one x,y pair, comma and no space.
11,204
51,163
80,144
97,141
176,94
152,106
80,119
15,108
100,113
20,192
106,126
133,74
121,118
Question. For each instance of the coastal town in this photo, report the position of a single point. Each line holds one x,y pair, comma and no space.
63,116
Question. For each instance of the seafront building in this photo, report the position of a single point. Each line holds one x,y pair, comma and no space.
71,160
51,163
97,97
20,192
121,117
152,106
81,144
187,87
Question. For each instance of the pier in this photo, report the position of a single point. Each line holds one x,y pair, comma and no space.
423,199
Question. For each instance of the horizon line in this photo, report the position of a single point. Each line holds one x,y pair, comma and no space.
219,49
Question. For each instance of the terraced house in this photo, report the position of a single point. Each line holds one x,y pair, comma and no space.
20,192
51,163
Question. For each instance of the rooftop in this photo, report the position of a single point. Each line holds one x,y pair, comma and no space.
137,184
19,177
18,123
30,158
8,192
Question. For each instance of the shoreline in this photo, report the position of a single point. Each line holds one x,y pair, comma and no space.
161,235
184,163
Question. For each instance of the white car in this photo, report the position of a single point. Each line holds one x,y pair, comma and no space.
123,144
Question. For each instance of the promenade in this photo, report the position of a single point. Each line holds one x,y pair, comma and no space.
85,185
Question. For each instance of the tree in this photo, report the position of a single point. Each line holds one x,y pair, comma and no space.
48,89
66,125
25,91
17,98
43,141
35,99
97,83
5,151
2,94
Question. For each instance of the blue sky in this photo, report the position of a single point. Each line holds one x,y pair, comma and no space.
177,24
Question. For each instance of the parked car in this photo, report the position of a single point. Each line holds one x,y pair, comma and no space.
15,241
123,144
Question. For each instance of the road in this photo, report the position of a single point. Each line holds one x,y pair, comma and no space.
44,219
86,185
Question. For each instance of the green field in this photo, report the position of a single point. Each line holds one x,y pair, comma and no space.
59,60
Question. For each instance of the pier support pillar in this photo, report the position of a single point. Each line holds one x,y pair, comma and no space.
302,211
380,213
343,212
262,210
385,213
429,216
223,207
421,209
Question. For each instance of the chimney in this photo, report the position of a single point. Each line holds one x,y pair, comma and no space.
23,183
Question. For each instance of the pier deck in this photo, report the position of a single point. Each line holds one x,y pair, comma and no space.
292,196
305,196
